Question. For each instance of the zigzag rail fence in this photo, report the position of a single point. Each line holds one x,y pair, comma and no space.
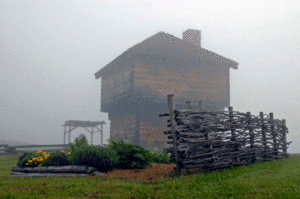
193,147
11,150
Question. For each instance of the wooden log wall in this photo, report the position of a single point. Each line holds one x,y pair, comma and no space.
144,129
114,84
149,78
192,148
207,79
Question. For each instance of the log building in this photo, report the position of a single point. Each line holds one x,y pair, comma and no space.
135,85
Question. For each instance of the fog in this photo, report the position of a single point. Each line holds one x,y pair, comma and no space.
50,51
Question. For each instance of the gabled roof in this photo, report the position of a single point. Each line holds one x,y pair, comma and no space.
164,44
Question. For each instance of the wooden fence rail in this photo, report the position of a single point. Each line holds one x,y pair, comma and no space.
10,150
193,147
13,149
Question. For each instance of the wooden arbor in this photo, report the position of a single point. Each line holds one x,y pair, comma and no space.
73,124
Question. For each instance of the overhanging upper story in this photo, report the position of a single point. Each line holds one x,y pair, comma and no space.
166,45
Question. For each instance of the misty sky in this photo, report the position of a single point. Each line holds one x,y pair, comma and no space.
50,51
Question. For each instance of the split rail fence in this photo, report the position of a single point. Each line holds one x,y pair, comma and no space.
10,150
217,140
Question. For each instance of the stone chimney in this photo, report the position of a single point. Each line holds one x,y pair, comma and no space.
193,36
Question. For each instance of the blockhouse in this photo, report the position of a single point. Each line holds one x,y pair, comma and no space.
135,85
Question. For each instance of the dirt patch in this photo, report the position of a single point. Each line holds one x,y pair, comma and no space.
152,173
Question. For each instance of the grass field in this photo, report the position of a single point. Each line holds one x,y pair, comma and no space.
277,179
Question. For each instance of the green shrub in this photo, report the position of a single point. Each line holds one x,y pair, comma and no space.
56,159
78,144
102,158
160,157
131,156
172,158
23,159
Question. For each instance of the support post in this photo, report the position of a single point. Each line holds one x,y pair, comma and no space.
275,148
284,137
171,106
92,135
233,136
101,134
69,134
65,135
189,106
251,135
263,130
201,106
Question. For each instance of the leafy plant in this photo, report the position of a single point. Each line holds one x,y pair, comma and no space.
131,156
171,159
56,159
23,159
160,157
38,161
78,144
31,159
102,158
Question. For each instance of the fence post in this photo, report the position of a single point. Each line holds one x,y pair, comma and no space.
275,149
201,106
263,130
188,103
251,135
233,136
284,137
171,106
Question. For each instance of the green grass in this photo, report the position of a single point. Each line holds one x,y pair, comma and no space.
275,179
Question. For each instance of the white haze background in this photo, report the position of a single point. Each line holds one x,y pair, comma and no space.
50,50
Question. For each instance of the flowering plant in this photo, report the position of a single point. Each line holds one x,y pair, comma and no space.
42,160
78,143
37,161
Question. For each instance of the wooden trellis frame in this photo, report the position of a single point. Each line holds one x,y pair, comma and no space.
73,124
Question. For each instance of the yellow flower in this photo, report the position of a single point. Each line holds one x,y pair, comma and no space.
38,159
